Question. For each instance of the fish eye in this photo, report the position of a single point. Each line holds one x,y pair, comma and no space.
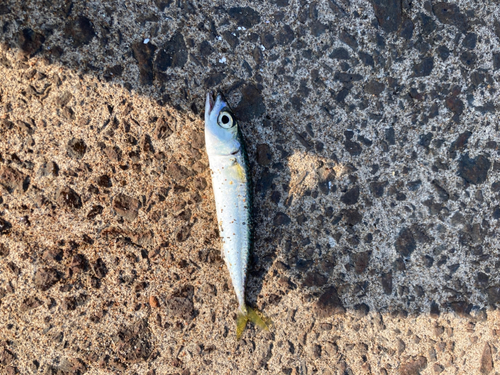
225,120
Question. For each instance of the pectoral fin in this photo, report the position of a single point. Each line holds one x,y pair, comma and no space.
237,172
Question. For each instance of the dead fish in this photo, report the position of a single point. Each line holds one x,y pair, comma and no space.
232,190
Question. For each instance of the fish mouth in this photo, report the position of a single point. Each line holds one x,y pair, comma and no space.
210,103
213,101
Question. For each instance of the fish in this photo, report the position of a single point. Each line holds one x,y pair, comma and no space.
232,189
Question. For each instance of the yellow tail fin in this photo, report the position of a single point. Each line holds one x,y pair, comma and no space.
253,315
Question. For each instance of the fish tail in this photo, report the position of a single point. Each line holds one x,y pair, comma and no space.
253,315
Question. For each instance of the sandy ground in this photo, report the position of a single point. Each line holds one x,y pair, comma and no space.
372,131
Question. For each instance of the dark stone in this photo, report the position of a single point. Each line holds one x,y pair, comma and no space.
374,87
265,182
76,148
303,140
428,261
352,217
377,188
13,180
388,13
30,303
470,41
162,129
133,343
4,250
113,72
69,198
126,206
244,16
69,303
354,148
366,59
468,58
482,280
386,280
361,261
173,54
496,212
252,104
486,360
231,39
474,171
459,144
424,68
496,60
45,278
13,268
281,3
25,127
390,136
206,49
4,9
303,265
441,192
361,309
443,52
347,77
147,146
434,310
413,367
449,14
180,307
264,154
80,30
267,40
100,269
493,293
94,211
104,181
30,41
405,243
425,139
329,304
281,219
351,196
144,54
314,278
340,54
285,36
183,233
496,28
73,366
341,95
477,77
162,4
456,106
317,28
178,172
348,39
113,153
407,29
64,99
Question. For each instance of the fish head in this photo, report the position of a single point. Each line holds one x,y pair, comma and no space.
221,128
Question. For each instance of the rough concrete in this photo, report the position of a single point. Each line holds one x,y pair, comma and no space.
372,131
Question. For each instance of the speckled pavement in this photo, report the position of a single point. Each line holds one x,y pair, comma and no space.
372,132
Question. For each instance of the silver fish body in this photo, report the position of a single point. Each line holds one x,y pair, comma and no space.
231,190
231,186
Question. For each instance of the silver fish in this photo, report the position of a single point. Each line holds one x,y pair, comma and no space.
231,186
